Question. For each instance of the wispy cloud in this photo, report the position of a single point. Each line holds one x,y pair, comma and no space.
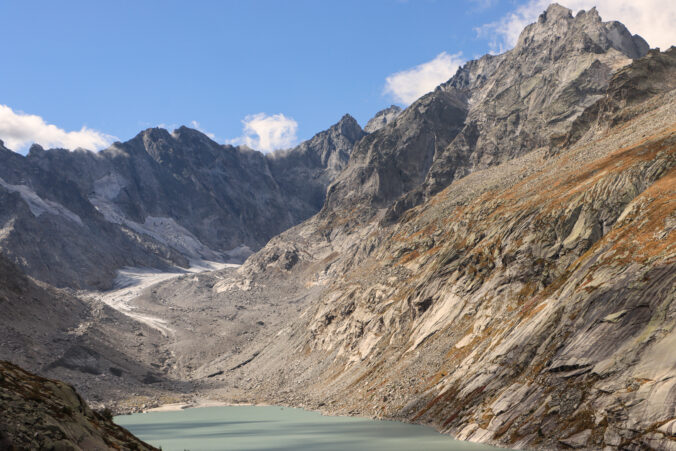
652,19
408,85
167,127
196,126
268,133
19,130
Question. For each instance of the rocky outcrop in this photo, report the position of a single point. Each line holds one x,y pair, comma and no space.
394,160
382,118
158,200
645,78
52,231
39,413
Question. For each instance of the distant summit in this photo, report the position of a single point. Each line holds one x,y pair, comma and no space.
382,118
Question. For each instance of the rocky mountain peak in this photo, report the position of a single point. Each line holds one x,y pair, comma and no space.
152,141
310,167
199,147
176,148
36,149
153,134
382,118
347,126
556,12
187,134
558,32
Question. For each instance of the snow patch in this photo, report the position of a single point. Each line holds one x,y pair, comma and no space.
131,282
38,205
165,230
109,186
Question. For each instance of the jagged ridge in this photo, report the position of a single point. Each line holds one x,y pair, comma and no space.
158,200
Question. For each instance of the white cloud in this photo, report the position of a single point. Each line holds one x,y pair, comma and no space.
19,130
167,127
652,19
268,133
196,126
409,85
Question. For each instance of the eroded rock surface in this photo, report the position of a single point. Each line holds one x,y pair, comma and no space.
498,262
494,109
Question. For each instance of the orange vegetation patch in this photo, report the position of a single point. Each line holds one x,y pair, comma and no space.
555,191
409,256
425,231
531,309
434,379
430,404
614,163
644,235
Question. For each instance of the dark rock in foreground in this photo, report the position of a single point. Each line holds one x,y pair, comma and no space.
39,413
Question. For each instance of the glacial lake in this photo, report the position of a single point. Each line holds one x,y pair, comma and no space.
282,428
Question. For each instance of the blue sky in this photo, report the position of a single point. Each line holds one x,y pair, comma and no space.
119,67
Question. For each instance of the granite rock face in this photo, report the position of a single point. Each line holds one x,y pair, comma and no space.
304,172
158,200
498,262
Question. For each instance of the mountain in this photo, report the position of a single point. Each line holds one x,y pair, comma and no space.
494,109
529,304
39,413
57,333
158,200
304,172
382,118
499,262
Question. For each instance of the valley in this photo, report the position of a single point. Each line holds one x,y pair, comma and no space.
496,261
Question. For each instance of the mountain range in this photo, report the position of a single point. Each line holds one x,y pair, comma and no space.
497,260
162,199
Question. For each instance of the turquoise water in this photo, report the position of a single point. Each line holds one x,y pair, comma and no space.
282,428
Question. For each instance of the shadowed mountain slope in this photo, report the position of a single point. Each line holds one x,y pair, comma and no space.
160,199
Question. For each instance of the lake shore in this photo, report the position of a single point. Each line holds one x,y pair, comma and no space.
171,407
